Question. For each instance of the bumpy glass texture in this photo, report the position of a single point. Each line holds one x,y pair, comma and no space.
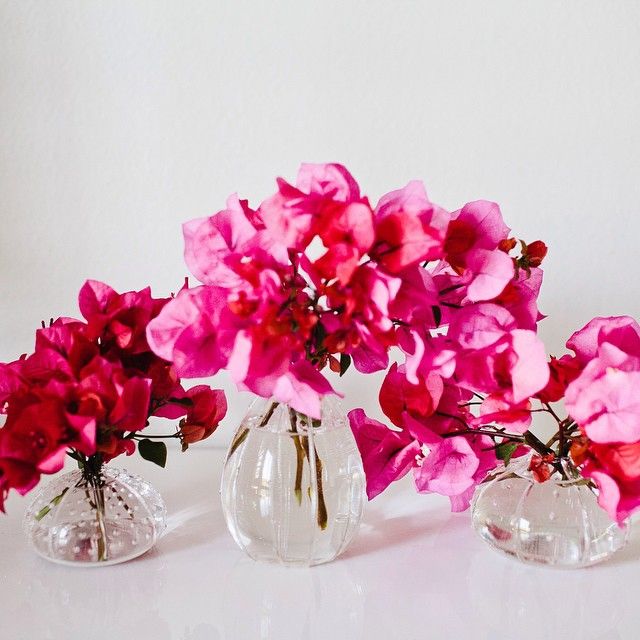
72,521
557,522
293,488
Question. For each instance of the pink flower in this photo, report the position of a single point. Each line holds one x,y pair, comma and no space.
386,455
497,357
15,474
264,367
399,396
495,409
448,468
37,436
426,354
331,180
119,320
195,331
294,215
226,248
478,225
416,298
603,399
208,408
615,468
363,327
487,461
622,332
409,228
605,402
520,298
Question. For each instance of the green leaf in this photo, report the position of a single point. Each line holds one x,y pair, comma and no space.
505,450
54,503
437,314
319,333
155,452
42,513
345,362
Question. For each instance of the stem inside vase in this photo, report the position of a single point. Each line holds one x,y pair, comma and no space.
94,484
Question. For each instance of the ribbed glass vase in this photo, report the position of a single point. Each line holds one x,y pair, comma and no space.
96,520
557,522
293,487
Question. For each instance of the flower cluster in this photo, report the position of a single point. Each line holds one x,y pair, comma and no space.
453,432
602,397
479,361
89,389
318,276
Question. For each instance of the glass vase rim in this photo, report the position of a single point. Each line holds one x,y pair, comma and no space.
520,468
333,415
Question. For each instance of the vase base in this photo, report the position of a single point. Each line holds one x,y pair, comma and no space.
542,550
557,523
94,524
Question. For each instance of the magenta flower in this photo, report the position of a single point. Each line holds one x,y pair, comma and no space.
386,455
615,468
314,277
216,248
496,357
89,389
448,468
409,228
604,399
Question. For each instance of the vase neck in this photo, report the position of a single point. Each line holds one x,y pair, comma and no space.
91,467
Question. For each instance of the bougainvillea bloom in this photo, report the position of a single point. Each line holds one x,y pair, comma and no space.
90,387
315,276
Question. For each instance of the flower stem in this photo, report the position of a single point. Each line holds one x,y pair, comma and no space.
299,456
301,443
94,490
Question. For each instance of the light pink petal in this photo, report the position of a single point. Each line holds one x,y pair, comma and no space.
487,220
621,331
386,455
53,462
331,180
481,325
608,409
530,373
449,468
492,271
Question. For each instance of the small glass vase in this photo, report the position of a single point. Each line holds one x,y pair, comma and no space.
96,520
293,487
557,522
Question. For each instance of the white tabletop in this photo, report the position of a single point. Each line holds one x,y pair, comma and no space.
415,571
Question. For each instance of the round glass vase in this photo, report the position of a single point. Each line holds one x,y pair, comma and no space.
557,522
293,487
95,520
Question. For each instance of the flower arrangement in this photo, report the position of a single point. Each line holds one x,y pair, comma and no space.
453,446
316,276
88,391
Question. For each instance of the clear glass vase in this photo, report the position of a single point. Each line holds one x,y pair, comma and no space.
98,520
292,487
557,522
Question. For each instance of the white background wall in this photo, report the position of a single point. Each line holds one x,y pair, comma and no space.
119,120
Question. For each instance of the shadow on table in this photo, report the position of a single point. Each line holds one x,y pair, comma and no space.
379,532
190,527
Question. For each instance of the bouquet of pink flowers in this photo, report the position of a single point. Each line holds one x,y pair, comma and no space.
89,389
316,275
464,430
